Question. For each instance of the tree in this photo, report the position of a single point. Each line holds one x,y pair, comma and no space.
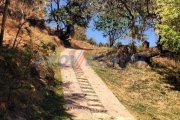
139,15
91,41
5,14
113,28
168,25
100,44
68,14
80,33
118,44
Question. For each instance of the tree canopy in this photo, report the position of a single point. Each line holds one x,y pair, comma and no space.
116,18
133,17
68,13
168,25
130,17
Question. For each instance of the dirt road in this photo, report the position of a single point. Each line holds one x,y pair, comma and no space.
86,95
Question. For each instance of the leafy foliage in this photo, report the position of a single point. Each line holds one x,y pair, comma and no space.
113,28
80,33
168,27
118,44
70,13
130,17
91,41
100,44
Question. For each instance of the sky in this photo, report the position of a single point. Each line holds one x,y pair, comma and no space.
98,36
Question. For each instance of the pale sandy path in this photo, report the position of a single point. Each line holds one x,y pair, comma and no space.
86,95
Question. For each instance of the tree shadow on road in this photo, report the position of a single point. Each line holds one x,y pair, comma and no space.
51,107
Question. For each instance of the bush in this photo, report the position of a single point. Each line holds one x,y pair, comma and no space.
91,41
118,44
80,33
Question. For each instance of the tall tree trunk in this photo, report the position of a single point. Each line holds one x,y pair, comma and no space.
5,14
110,40
159,45
68,29
58,31
133,33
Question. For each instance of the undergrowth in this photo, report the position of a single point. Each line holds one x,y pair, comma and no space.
30,88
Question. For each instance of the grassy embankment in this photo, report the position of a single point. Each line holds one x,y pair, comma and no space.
32,100
51,108
148,93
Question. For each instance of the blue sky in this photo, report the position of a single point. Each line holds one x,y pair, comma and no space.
98,36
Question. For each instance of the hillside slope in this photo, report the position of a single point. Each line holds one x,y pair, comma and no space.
26,33
29,74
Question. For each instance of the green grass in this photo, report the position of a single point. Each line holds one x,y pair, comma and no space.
146,93
51,108
52,105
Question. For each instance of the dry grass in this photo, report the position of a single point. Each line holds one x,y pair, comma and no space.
167,62
102,50
81,44
147,93
36,35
